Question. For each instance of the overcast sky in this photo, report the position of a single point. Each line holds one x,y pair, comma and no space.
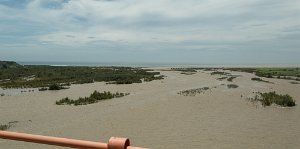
161,31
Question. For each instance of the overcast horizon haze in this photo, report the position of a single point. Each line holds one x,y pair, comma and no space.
157,31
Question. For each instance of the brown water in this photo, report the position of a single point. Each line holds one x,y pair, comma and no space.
155,116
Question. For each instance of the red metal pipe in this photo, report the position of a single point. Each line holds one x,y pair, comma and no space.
114,142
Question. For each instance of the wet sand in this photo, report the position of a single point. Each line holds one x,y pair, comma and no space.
155,116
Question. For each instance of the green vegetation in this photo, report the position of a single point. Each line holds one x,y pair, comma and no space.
230,79
193,92
280,73
219,73
295,82
8,64
5,127
33,76
222,78
248,70
270,98
188,73
232,86
209,69
56,87
43,89
159,77
261,80
8,125
93,98
185,69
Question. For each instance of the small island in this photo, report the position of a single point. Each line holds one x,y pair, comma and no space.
93,98
267,99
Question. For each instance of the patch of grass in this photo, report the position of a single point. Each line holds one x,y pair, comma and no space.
270,98
188,73
260,80
93,98
232,86
8,125
5,127
185,69
43,89
151,78
219,73
230,79
295,82
280,73
57,87
222,78
193,92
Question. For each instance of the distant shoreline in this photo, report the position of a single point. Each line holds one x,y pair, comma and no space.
165,65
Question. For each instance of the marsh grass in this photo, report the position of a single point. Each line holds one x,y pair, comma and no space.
219,73
222,78
93,98
188,73
295,82
232,86
267,99
230,79
43,89
5,127
57,87
8,125
261,80
280,73
193,92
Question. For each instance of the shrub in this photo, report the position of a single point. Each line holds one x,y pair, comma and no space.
232,86
231,78
93,98
43,89
260,80
8,125
270,98
5,127
219,73
193,92
295,82
56,87
222,78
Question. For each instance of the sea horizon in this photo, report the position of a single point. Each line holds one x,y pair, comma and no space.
150,64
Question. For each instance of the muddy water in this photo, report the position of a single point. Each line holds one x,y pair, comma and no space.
155,116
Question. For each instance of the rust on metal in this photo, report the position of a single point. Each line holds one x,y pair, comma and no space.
113,143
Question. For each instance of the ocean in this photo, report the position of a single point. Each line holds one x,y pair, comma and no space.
152,64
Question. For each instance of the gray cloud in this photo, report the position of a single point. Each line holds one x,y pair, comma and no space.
15,3
191,27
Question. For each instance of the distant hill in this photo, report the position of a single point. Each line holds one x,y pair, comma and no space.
8,64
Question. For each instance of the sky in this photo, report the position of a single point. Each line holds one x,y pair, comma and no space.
155,31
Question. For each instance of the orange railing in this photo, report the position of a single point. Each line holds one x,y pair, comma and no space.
113,143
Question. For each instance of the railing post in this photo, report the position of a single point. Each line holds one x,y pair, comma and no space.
118,143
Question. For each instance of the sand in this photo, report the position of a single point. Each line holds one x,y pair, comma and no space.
155,116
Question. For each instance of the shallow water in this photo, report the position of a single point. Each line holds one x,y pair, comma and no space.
155,116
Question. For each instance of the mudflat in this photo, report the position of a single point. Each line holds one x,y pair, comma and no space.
154,115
